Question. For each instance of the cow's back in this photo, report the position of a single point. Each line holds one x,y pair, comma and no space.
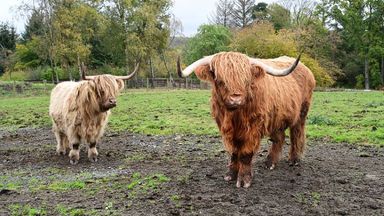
301,76
286,95
60,95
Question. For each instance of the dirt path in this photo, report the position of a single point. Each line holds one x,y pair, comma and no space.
183,175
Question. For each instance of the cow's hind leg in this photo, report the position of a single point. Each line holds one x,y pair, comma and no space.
233,168
92,152
297,137
273,157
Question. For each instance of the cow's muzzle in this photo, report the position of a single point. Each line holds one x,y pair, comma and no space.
109,105
234,101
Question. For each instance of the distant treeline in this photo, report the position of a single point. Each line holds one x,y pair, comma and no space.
342,40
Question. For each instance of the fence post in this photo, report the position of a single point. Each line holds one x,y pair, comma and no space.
14,87
186,83
45,86
147,82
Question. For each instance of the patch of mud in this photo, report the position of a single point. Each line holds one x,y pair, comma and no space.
333,179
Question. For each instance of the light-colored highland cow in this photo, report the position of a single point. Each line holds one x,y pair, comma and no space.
253,98
80,110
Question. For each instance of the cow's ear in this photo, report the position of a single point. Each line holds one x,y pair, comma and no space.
204,73
257,72
120,84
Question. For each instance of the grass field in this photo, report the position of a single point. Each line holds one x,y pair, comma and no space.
353,117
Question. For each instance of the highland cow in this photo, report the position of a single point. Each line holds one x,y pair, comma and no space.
80,111
254,98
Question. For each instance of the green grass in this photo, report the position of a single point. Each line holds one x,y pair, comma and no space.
354,117
146,182
9,184
164,112
64,186
20,112
67,211
22,210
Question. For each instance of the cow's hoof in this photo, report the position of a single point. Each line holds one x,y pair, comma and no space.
228,178
294,162
247,185
244,180
92,154
93,159
61,152
269,164
231,175
73,161
238,183
74,157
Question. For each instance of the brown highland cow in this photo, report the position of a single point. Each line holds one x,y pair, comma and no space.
253,98
80,110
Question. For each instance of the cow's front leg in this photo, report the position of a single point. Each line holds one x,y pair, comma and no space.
245,174
74,154
92,152
233,168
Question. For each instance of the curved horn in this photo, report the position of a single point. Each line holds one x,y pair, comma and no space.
273,71
83,69
187,71
130,75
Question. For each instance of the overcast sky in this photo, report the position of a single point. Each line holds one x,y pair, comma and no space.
192,13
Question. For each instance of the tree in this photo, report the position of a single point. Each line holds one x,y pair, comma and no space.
360,25
209,39
260,12
47,8
279,16
302,11
7,44
34,26
223,13
7,36
262,41
242,12
141,28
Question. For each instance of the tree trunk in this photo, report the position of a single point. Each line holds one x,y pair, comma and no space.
382,70
366,73
79,66
152,72
54,72
66,66
166,68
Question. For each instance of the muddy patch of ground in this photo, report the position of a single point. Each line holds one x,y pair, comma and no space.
182,175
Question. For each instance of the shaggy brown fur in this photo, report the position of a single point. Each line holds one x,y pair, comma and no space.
79,112
267,106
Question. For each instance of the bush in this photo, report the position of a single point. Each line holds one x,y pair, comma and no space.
261,41
210,39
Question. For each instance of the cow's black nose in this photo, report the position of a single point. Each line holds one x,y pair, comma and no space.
112,101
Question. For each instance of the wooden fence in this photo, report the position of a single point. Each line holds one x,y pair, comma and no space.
37,87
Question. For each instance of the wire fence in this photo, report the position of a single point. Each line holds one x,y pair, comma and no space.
37,87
